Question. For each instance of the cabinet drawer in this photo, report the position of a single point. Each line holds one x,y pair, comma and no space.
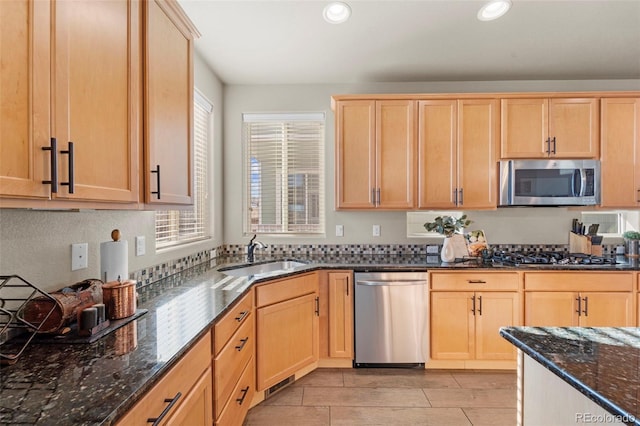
230,363
231,321
238,405
180,378
578,281
285,289
474,281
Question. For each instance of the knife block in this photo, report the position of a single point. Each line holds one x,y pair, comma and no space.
582,244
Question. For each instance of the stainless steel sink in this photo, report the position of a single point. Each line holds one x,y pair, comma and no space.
262,268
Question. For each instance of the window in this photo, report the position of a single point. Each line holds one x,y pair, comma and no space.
284,173
176,227
612,223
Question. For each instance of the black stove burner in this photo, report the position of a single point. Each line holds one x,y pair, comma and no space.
549,258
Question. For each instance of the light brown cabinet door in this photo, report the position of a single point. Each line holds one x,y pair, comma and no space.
495,310
96,98
168,93
195,408
477,158
620,158
25,98
395,154
375,154
606,309
355,154
550,309
542,128
525,128
574,127
340,315
452,326
287,339
437,155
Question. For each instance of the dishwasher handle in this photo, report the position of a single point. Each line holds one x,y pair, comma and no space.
391,282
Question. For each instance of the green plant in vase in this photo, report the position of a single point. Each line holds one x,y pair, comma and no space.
448,226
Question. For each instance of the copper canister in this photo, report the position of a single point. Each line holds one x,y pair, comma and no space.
119,298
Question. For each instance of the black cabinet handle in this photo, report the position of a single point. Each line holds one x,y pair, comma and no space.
455,197
579,300
157,172
461,197
476,281
244,392
554,144
242,316
242,343
347,285
317,306
480,309
53,165
473,308
71,167
586,307
548,142
172,401
378,192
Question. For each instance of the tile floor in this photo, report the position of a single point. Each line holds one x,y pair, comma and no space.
391,396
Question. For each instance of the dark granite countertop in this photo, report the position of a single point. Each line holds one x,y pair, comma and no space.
602,363
86,384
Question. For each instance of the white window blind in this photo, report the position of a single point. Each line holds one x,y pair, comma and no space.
284,173
175,227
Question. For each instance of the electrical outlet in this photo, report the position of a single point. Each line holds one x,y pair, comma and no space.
140,246
339,231
79,256
376,230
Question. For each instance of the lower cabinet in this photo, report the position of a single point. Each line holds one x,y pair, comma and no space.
286,328
233,364
467,311
583,309
340,314
465,325
183,394
584,299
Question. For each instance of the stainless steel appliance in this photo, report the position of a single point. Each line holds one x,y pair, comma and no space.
519,258
391,318
549,182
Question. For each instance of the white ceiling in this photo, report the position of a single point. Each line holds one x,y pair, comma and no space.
288,42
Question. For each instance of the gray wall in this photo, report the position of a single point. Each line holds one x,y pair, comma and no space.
531,226
36,244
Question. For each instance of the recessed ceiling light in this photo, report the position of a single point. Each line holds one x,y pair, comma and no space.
494,9
336,12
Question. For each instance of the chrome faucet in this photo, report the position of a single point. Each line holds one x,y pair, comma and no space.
251,247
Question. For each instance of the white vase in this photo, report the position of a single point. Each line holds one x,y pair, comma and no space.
448,253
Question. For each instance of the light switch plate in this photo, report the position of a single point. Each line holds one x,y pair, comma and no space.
339,231
376,230
79,256
140,246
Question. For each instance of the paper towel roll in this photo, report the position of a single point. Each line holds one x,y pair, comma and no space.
114,261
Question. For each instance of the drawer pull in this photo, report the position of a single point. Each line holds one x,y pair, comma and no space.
172,402
244,392
579,311
242,316
242,343
70,167
476,281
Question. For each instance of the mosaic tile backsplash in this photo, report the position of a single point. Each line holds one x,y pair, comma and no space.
155,273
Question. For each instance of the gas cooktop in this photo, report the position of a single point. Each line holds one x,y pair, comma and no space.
518,258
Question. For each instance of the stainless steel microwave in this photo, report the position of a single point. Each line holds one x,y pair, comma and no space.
549,182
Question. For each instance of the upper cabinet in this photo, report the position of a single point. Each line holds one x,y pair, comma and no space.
168,107
457,160
71,98
24,99
375,154
620,160
555,127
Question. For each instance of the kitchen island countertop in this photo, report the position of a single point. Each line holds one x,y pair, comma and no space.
602,363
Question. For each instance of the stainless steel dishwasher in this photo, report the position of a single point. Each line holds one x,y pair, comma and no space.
391,319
